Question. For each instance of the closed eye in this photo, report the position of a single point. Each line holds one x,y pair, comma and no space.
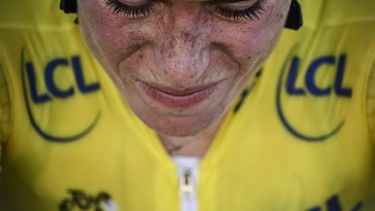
239,11
133,11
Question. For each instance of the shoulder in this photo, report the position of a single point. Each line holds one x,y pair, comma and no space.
338,11
349,9
18,13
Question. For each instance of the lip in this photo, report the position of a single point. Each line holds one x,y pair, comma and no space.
174,98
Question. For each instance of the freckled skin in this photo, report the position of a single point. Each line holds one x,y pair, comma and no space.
180,45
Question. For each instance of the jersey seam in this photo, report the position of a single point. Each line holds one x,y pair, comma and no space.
9,110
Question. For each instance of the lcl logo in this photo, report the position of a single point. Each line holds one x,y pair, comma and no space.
54,92
311,87
50,83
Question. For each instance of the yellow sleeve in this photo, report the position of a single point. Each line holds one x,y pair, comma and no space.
371,104
4,112
5,117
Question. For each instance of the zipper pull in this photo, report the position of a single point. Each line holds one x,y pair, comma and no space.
186,184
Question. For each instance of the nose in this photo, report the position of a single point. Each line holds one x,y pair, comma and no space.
183,49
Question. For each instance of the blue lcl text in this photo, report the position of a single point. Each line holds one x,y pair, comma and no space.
310,83
52,87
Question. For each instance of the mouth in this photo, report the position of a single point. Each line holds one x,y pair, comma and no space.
174,98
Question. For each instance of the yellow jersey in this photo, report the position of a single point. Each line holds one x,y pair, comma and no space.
301,138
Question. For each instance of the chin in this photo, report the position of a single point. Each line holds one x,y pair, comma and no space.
180,126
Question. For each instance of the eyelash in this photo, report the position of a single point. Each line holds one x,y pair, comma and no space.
131,11
143,10
250,13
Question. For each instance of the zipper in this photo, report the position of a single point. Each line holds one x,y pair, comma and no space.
188,192
187,186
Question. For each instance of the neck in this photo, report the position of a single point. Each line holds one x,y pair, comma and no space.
196,145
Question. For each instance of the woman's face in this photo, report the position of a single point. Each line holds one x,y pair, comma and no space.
180,63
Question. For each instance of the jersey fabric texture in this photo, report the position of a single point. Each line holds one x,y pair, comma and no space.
299,139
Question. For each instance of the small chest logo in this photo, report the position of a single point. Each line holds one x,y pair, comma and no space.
45,90
79,200
334,204
319,87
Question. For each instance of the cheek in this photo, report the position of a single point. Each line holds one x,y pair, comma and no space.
117,43
256,39
110,37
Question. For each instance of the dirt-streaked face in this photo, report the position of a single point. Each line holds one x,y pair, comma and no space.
180,64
